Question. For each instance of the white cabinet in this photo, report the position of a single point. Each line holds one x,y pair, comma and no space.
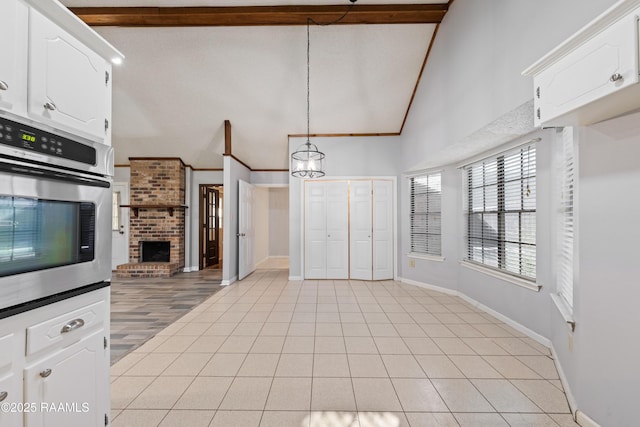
69,84
327,230
71,385
13,62
349,229
54,362
592,76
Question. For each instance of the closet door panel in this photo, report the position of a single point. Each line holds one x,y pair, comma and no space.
360,230
337,214
315,231
382,230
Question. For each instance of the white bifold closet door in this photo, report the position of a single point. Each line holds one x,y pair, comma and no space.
326,230
371,229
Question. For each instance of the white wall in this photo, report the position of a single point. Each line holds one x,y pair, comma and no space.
233,172
345,157
193,231
471,80
278,221
261,224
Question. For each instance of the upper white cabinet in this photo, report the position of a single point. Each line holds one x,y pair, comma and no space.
69,84
13,65
592,76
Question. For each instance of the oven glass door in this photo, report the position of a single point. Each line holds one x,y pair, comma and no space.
55,231
36,234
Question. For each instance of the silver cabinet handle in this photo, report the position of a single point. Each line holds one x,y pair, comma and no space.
71,326
3,85
50,106
615,77
45,373
3,395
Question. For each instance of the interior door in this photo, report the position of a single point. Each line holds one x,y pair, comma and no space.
360,230
337,214
120,225
211,226
246,261
382,230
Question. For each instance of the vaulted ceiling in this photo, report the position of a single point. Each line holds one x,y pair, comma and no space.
187,70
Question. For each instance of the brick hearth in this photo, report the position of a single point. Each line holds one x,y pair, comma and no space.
156,181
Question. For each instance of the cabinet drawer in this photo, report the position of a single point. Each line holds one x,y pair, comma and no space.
7,344
601,66
66,328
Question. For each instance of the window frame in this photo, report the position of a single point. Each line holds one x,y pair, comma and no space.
500,212
430,255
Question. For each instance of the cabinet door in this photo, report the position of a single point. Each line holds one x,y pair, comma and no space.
68,86
71,384
360,255
382,230
601,66
337,214
11,394
13,63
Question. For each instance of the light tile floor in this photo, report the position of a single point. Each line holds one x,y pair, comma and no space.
268,352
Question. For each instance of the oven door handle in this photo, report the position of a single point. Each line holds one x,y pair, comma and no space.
52,175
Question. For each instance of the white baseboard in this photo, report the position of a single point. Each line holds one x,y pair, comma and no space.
228,282
295,278
515,325
584,420
190,269
565,384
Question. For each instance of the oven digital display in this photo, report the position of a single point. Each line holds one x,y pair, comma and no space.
28,137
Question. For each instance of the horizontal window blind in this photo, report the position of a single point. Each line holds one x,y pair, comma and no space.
565,246
425,221
501,212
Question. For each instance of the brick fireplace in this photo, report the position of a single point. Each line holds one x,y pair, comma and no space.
157,196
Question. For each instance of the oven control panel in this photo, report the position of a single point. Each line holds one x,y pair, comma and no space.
32,139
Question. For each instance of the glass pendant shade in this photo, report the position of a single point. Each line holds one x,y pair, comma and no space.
307,162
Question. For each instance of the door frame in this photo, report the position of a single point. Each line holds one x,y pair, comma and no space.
201,209
394,179
124,218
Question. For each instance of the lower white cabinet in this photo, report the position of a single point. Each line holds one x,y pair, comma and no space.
54,364
69,385
10,398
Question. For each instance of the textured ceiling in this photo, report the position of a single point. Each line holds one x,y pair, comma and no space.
177,85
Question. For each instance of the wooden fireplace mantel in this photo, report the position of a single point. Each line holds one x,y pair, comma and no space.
169,208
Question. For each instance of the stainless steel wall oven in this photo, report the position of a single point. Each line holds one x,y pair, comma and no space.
55,215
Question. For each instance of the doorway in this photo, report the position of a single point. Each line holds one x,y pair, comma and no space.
211,226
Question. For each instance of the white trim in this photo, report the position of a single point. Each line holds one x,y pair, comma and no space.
565,383
564,309
515,325
191,269
418,172
295,278
512,145
532,286
228,282
427,257
584,420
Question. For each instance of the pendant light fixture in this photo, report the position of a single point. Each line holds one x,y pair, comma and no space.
307,161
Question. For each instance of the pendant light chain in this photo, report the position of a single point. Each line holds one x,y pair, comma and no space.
307,161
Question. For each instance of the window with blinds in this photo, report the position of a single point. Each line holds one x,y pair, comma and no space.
425,199
501,212
565,244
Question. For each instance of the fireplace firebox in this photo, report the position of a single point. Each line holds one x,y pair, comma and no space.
155,251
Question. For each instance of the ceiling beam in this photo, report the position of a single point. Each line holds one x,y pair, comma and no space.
259,15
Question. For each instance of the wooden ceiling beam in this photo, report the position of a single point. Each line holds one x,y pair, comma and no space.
259,15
